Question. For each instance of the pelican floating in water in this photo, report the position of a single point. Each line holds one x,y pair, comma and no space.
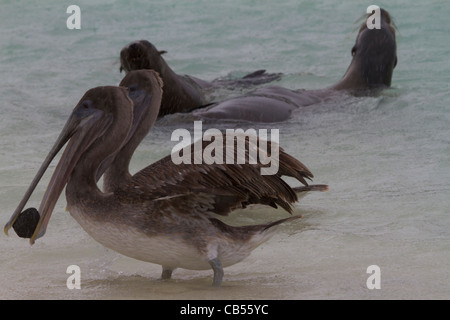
166,214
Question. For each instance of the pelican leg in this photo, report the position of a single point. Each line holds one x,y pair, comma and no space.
166,273
216,265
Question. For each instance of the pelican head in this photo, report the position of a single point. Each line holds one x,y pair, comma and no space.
93,127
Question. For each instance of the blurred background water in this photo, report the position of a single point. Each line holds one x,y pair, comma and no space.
386,158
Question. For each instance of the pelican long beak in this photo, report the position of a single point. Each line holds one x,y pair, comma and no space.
81,132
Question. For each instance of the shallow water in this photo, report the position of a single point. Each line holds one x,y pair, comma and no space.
386,158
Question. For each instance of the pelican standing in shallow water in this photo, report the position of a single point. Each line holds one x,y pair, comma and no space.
166,213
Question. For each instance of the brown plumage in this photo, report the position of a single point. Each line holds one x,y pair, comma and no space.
232,186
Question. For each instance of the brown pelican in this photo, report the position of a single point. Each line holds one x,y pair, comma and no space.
165,214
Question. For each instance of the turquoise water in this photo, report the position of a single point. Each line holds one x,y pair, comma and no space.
386,158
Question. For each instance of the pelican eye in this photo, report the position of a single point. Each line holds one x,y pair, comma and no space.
86,105
85,108
132,88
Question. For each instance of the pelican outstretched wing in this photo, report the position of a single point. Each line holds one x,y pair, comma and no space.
218,187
